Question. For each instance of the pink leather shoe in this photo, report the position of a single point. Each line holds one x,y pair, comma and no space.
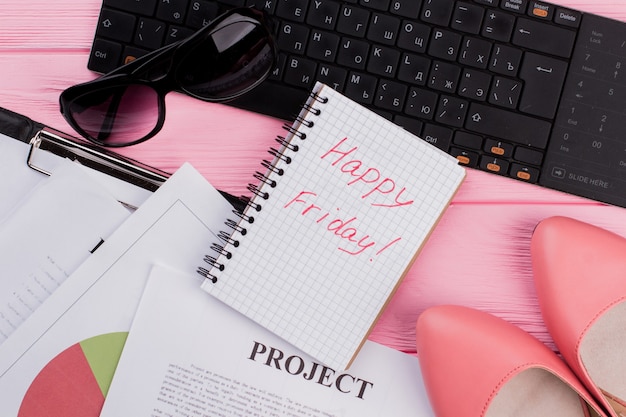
580,276
477,365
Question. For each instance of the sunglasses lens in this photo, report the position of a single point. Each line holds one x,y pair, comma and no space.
234,58
116,116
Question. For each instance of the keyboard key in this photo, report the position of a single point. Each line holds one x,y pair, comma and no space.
543,77
332,76
353,21
505,92
444,44
201,13
528,156
293,38
567,17
464,157
413,69
498,148
323,45
505,60
517,6
467,18
543,37
475,52
131,53
390,96
451,111
413,36
444,76
524,173
437,12
421,103
468,140
383,29
173,11
361,87
292,10
439,136
541,10
105,55
508,125
353,53
474,84
498,25
177,33
495,165
300,72
323,14
116,25
150,33
405,8
383,61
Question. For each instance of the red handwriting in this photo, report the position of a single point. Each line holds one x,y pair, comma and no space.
377,185
356,242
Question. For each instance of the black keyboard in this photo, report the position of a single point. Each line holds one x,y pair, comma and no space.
524,89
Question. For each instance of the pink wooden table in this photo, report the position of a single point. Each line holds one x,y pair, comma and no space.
478,255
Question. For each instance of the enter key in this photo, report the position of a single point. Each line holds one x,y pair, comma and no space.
543,82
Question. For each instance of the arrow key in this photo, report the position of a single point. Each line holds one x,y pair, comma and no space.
495,165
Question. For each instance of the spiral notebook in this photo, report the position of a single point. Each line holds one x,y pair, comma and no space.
338,215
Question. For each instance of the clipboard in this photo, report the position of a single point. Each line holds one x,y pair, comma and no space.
42,138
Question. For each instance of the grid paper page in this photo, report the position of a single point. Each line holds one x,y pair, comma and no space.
338,231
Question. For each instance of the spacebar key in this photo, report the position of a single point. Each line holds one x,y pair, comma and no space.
509,126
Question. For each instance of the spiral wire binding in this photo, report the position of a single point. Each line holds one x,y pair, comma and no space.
286,145
221,250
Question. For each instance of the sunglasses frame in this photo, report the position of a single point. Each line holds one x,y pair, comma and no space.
157,70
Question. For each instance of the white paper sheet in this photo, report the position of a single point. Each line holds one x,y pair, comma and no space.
188,354
173,227
54,228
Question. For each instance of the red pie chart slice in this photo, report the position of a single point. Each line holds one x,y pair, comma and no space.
75,382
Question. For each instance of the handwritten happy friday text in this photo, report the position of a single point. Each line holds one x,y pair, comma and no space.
378,190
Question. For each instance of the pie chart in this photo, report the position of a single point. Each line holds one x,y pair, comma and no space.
76,381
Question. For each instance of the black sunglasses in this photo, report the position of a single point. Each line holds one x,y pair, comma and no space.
223,60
